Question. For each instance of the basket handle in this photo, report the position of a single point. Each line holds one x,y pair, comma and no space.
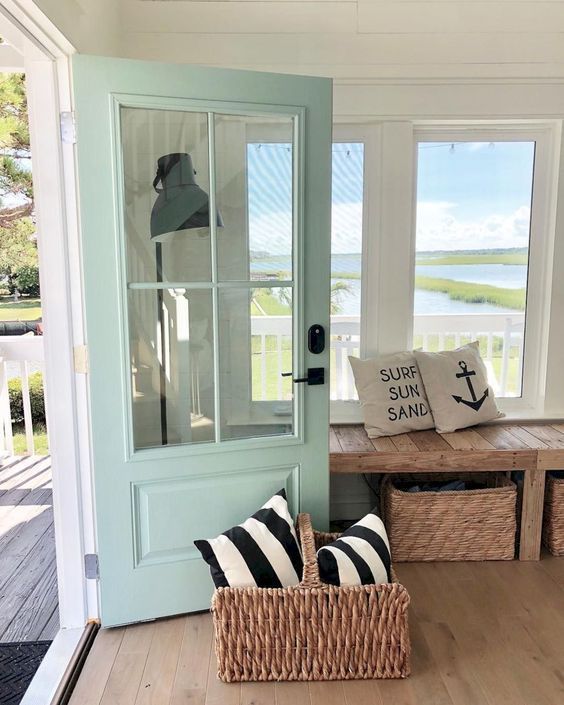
310,577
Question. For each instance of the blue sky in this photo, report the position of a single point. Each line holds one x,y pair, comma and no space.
270,203
471,196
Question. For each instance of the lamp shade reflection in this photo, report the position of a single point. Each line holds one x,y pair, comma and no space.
181,204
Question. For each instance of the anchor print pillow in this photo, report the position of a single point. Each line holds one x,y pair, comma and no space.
457,386
392,395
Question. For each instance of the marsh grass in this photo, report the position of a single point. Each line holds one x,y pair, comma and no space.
472,293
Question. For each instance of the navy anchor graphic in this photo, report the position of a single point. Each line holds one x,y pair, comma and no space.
467,374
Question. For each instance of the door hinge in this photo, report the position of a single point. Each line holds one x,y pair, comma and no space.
80,353
68,129
91,567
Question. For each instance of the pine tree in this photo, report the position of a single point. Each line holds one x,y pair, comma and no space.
18,244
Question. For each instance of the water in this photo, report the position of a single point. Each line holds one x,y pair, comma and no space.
508,276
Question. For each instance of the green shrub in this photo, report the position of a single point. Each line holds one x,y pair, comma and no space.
36,397
27,280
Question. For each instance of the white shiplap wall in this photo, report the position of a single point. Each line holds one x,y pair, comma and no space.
395,62
354,38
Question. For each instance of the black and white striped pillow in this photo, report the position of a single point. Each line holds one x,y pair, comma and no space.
263,551
360,556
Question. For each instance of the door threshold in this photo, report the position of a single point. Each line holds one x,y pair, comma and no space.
59,670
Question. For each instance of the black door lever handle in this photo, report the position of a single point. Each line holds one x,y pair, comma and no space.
315,375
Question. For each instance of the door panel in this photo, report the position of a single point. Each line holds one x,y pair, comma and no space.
159,541
205,201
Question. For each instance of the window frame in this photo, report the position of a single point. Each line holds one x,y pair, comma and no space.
348,411
541,243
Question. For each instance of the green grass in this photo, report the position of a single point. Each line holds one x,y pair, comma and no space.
474,293
22,310
270,304
500,258
40,440
345,275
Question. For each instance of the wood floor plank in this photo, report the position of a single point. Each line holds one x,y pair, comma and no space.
219,693
397,692
535,676
162,661
471,638
194,662
453,665
90,687
326,693
554,567
427,687
293,693
482,634
258,693
129,664
361,693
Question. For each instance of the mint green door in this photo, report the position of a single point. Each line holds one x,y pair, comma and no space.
205,216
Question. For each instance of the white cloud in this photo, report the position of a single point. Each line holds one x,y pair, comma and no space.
439,229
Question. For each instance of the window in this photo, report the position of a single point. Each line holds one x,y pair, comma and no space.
474,251
346,264
269,162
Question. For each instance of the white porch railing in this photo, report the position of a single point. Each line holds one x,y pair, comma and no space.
20,355
502,332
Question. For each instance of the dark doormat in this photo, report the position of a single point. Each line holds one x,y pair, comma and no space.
18,663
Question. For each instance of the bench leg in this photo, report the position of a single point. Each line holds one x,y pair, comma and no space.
531,515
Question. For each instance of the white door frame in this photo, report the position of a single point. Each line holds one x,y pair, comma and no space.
47,67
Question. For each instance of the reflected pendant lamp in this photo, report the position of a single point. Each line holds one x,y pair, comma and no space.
181,204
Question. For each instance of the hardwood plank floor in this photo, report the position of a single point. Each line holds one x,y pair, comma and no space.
28,579
482,634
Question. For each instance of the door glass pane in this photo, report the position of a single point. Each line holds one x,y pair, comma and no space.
346,253
254,183
166,190
171,348
472,252
255,338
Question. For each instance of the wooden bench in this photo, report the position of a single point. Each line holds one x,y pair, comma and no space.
533,448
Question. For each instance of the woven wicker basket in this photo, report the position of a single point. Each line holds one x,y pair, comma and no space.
553,522
468,525
313,631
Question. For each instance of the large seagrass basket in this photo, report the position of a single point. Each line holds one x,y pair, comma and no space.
312,631
468,525
553,520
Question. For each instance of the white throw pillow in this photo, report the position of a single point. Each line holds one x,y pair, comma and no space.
456,382
392,395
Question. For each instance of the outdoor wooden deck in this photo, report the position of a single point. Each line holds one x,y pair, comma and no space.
28,578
